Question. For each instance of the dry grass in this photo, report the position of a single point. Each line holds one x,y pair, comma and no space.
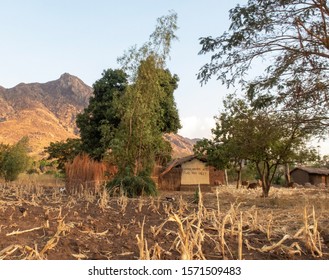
85,175
227,224
242,220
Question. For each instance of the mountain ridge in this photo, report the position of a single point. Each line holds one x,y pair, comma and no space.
46,112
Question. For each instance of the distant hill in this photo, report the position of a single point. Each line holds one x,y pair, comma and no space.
46,112
181,146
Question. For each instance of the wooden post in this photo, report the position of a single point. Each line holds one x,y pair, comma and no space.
225,177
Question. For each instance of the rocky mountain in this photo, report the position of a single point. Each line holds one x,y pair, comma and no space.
46,112
181,146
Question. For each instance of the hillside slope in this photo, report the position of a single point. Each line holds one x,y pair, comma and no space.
46,112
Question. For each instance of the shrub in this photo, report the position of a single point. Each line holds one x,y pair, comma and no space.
132,186
196,196
14,159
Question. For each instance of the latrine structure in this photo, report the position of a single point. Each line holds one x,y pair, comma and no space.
189,172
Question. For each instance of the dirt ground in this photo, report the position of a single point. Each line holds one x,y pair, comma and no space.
45,223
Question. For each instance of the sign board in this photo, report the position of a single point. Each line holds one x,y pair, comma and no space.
195,172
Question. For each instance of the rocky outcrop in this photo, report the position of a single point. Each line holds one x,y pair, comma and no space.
181,146
44,112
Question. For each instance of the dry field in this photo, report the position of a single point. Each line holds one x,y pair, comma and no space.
43,223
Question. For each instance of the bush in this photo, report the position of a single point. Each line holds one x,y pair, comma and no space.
132,186
14,159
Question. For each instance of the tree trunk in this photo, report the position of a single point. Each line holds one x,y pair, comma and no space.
287,173
266,190
239,169
264,173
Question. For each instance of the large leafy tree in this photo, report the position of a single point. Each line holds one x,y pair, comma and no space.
147,108
99,121
288,41
262,137
130,109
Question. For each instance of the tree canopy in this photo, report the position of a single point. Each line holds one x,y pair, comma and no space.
130,110
288,41
99,121
148,108
261,137
64,151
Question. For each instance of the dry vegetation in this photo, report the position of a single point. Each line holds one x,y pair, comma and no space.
39,222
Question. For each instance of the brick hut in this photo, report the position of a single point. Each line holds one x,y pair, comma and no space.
314,176
187,173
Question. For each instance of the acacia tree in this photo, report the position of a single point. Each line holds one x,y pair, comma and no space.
290,39
260,136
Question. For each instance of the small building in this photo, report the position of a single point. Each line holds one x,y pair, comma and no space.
189,172
314,176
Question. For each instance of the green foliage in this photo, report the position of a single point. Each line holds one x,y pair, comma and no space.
99,121
168,114
147,109
261,137
131,109
159,45
132,186
248,172
146,103
288,41
139,139
196,196
14,159
63,152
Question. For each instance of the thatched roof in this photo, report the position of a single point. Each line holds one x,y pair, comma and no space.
311,170
180,161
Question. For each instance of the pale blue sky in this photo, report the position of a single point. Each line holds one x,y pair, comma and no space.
41,39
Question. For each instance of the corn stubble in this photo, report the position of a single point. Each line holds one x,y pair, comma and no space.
232,229
236,229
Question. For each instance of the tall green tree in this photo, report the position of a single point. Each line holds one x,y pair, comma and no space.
130,109
99,121
148,106
139,135
289,42
147,110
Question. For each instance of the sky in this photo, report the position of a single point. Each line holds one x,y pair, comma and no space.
42,39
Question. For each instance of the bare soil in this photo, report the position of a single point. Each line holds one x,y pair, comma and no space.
44,223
